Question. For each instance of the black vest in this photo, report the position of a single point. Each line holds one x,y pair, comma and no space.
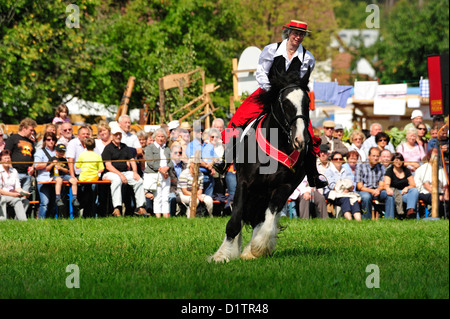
278,67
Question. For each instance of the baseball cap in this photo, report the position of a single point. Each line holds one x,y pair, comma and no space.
61,147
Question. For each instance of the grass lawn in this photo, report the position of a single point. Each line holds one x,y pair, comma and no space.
167,258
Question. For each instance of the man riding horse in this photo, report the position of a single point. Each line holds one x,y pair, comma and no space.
276,59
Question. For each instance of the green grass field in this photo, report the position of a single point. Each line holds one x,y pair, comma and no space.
167,258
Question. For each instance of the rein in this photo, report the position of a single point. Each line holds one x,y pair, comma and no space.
286,125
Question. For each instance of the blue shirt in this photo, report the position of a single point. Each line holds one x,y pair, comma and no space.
207,152
369,176
333,176
40,157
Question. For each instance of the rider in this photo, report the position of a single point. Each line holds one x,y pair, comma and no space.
278,59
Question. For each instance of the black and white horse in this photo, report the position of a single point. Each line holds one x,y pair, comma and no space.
263,188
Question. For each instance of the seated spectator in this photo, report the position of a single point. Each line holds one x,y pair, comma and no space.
412,152
59,171
61,114
207,157
421,136
322,160
46,191
185,182
340,188
399,184
357,139
385,158
11,193
90,163
350,165
369,180
121,168
333,143
441,143
339,133
370,142
382,140
423,179
47,128
308,195
157,157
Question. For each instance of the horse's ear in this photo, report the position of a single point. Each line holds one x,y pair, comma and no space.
305,79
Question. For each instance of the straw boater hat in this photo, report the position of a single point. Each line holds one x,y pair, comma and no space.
297,25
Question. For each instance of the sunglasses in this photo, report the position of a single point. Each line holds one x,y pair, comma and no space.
338,159
179,153
422,128
329,128
50,139
67,130
382,140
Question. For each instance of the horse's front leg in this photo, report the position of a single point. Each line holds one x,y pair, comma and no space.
264,237
231,245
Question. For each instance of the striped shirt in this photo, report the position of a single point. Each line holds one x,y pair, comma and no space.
185,180
368,175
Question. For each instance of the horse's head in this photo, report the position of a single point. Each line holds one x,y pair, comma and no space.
291,108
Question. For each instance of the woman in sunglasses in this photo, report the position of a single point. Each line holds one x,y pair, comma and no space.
46,191
382,140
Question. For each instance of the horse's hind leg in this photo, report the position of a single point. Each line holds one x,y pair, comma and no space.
264,237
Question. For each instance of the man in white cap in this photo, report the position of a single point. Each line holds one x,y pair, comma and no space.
416,119
333,143
118,161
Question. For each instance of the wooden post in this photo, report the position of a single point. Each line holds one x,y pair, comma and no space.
235,80
193,206
435,189
162,110
123,107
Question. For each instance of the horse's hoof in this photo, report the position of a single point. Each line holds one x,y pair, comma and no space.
218,258
247,253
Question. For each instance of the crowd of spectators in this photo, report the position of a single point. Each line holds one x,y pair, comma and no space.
152,173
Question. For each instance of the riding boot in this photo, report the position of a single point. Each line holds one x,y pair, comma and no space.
312,173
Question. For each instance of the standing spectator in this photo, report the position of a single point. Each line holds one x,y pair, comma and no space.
357,139
219,124
416,119
176,166
128,138
173,132
370,183
22,150
184,138
385,158
424,177
370,142
47,128
412,152
104,136
398,178
421,136
433,134
11,194
206,161
340,188
157,157
59,171
310,195
67,133
118,161
46,191
61,114
339,133
334,143
185,182
89,162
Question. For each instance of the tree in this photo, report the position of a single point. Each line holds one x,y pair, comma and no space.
409,36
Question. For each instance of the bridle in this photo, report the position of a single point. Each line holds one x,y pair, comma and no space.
286,124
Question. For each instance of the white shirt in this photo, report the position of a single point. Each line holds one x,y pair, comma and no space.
130,139
163,159
370,142
9,181
424,174
270,52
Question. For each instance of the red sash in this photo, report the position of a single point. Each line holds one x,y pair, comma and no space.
287,160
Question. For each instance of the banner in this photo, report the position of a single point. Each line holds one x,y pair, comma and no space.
390,99
435,84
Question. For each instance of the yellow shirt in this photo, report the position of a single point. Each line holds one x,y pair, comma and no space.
90,163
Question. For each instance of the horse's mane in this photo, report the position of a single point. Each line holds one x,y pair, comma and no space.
268,97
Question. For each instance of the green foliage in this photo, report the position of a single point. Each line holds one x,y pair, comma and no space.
397,136
409,35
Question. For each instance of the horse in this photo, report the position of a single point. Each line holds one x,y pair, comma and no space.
261,193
